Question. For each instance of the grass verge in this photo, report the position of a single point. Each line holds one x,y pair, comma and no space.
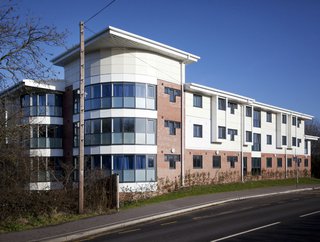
216,188
40,221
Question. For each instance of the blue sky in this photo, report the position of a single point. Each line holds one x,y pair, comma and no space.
264,49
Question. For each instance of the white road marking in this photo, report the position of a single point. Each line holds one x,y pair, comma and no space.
308,214
247,231
164,224
128,231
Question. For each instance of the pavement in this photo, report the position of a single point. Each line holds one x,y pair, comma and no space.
124,218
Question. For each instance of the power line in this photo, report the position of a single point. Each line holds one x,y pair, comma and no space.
100,11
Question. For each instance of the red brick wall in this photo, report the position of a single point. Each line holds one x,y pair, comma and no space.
167,143
207,164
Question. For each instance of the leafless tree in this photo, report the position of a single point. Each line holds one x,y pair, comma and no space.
23,42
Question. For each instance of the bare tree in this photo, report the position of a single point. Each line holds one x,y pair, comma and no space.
313,128
23,42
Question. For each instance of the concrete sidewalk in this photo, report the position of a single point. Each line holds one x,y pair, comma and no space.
99,224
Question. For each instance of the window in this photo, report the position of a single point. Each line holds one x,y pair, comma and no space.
109,131
216,161
279,162
197,101
232,133
289,162
173,93
306,148
221,132
269,139
221,104
294,141
248,136
294,121
129,95
269,162
257,118
269,117
284,118
256,142
245,165
232,160
284,140
172,159
232,106
248,111
306,162
256,166
172,125
197,130
299,122
197,162
299,142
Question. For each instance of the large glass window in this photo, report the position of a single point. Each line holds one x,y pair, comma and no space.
46,136
42,104
117,95
140,95
134,168
128,130
118,131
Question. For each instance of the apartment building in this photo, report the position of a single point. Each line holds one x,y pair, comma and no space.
145,123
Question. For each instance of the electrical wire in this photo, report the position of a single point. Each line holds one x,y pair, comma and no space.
109,4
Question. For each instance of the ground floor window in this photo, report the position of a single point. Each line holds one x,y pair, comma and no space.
130,167
197,162
256,166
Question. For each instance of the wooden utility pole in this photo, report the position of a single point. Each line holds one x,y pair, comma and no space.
81,121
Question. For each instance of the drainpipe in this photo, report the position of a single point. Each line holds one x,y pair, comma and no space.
241,140
182,123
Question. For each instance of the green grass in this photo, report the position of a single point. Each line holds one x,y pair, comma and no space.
35,222
216,188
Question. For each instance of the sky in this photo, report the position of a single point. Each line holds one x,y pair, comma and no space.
268,50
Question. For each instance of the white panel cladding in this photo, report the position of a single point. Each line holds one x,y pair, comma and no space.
120,62
209,117
107,113
118,149
214,119
268,128
45,120
46,152
200,116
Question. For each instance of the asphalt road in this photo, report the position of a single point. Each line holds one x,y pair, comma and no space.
290,217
